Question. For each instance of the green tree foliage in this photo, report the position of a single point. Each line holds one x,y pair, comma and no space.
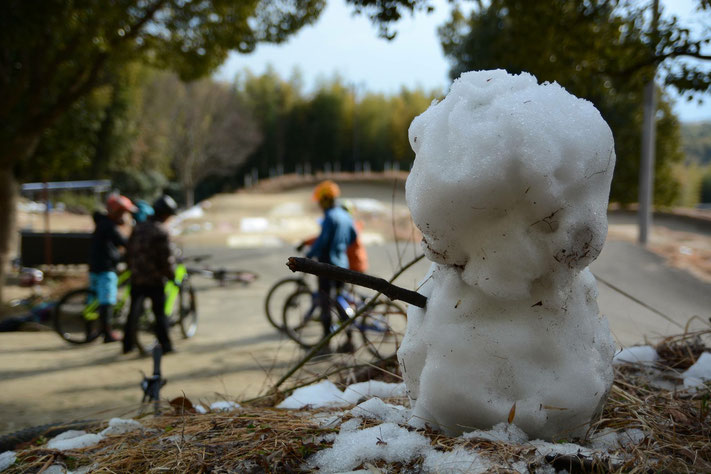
332,128
706,187
56,52
697,142
597,50
93,138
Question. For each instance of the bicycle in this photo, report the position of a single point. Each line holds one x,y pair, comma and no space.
380,327
76,316
277,296
222,275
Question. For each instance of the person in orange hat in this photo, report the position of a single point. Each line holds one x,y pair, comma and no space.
104,256
337,233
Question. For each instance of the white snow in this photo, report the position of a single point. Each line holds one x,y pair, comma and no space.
74,439
376,409
351,425
224,406
458,460
699,373
118,426
373,388
7,459
503,433
328,420
326,394
544,448
646,355
388,442
200,409
510,188
322,394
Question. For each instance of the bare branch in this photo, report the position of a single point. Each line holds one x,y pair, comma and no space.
315,350
332,272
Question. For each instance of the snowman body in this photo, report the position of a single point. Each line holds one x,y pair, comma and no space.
510,188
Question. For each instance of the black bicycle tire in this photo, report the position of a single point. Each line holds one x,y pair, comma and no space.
300,283
56,317
187,287
339,316
371,347
145,348
9,441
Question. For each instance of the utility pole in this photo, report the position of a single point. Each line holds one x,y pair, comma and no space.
646,171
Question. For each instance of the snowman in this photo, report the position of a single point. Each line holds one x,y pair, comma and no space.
510,189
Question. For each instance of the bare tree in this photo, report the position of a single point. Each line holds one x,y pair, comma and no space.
211,134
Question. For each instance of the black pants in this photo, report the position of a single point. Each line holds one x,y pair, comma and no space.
328,290
157,296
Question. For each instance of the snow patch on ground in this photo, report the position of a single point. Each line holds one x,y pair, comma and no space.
322,394
74,439
7,459
118,426
376,409
456,461
225,406
326,394
388,442
373,388
502,432
646,355
699,373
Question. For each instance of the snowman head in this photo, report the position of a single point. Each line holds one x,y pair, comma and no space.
511,182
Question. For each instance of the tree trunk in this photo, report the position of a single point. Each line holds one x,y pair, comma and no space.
189,196
8,193
18,149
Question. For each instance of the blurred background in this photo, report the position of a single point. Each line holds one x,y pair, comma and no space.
237,108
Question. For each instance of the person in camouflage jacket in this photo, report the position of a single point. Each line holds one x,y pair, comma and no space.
151,263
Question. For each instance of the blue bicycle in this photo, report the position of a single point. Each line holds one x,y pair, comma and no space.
381,328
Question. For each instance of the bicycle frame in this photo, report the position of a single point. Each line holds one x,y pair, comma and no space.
350,303
90,312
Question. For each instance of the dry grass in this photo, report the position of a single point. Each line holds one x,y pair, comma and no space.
259,438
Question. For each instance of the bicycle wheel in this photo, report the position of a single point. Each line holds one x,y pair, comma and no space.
277,296
383,328
145,329
188,309
76,316
302,321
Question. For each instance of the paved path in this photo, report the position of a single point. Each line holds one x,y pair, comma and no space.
675,294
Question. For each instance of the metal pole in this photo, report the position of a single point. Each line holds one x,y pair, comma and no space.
646,172
47,236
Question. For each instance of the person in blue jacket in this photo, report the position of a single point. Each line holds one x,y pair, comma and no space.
337,233
104,256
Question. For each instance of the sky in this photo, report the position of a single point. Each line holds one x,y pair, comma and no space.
348,45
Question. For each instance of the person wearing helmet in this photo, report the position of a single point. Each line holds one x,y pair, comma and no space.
143,211
151,261
104,256
337,233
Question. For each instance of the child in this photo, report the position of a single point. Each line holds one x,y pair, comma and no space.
104,255
151,262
